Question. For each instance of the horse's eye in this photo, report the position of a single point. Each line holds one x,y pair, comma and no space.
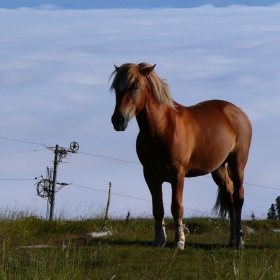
134,88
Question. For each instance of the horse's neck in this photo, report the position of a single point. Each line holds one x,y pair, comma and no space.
154,118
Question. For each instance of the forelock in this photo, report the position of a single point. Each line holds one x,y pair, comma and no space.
125,76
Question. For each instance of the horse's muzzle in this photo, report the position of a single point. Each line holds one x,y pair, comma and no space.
119,122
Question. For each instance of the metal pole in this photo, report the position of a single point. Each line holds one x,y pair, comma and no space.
55,163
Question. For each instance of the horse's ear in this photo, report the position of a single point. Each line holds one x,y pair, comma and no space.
146,71
116,67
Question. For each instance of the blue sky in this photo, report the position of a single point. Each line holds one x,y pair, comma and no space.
54,70
107,4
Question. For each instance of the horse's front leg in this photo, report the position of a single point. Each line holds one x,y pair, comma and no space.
158,210
177,210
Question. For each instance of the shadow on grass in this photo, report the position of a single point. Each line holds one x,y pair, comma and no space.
207,247
84,242
87,242
145,243
200,246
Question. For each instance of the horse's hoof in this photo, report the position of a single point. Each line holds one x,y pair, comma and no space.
160,236
159,242
237,244
179,245
240,245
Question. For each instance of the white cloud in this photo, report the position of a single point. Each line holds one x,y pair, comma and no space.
47,7
54,71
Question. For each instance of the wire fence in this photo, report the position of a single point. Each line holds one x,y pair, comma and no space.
116,160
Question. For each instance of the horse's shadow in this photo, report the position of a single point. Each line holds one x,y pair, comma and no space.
169,244
202,246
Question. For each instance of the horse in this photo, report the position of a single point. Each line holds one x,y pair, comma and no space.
175,142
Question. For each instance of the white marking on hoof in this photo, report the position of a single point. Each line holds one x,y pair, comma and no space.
241,244
179,245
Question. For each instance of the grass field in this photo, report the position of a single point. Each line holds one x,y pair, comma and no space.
128,254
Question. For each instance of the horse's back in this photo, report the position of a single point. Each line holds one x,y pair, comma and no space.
221,113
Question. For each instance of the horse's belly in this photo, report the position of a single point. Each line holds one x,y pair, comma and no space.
195,173
201,163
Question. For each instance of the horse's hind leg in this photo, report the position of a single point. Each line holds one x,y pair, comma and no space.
236,168
225,199
237,160
177,208
158,210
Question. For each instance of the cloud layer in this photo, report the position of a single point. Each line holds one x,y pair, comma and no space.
54,72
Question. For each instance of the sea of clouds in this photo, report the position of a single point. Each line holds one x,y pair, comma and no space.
54,71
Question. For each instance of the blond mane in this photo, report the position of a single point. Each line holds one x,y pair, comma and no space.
125,75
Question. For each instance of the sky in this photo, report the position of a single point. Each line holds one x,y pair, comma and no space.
55,65
144,4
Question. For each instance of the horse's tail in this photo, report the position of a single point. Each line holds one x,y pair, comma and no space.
221,206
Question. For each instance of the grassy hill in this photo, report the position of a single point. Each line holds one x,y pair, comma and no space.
128,254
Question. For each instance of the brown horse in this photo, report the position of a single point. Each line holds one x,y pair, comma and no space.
176,142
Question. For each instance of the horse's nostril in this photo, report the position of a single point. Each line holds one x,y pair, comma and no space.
121,120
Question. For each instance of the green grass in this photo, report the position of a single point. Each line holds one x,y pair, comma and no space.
128,254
